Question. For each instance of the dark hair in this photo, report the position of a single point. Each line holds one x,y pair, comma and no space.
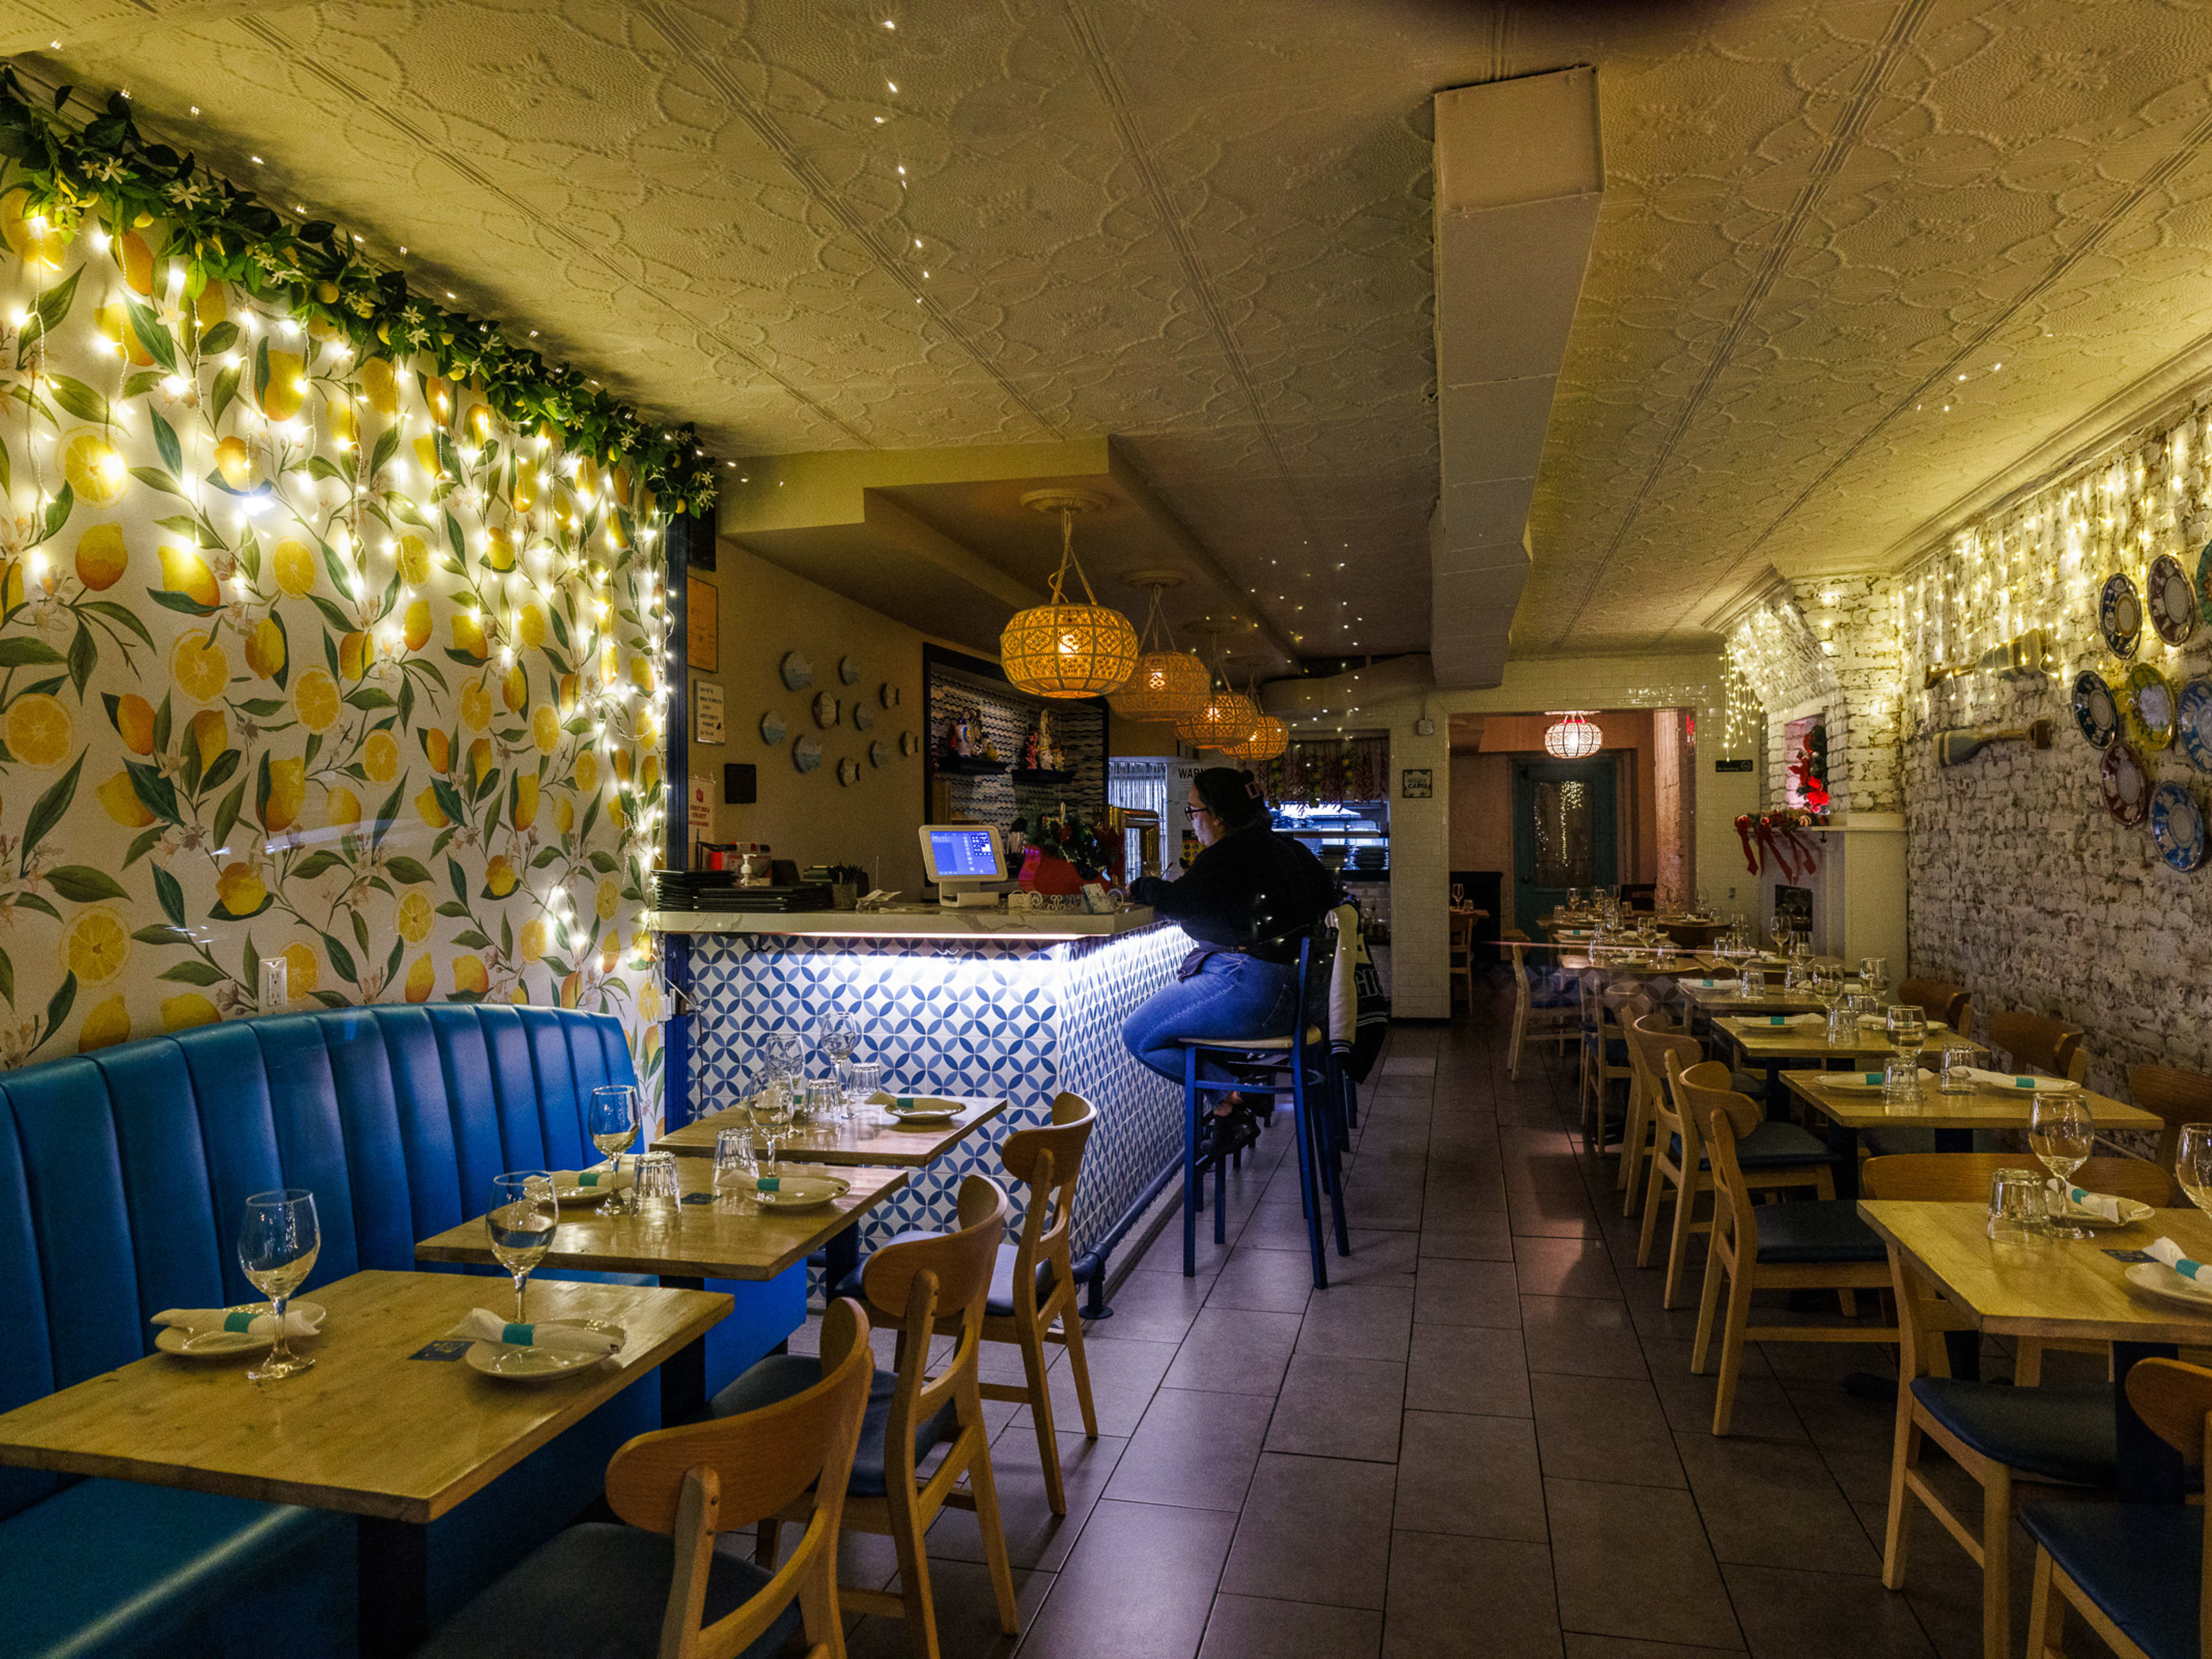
1232,796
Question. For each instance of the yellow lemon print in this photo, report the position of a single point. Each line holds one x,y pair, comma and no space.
411,917
531,941
120,799
567,691
433,814
34,243
303,971
184,572
95,946
200,667
380,758
499,876
476,705
382,387
481,423
609,898
102,556
295,566
114,322
499,549
422,979
426,451
235,462
530,627
564,814
515,690
649,1004
316,698
210,735
341,809
338,413
479,759
414,560
416,624
545,728
240,890
288,793
525,810
136,261
105,1026
178,1013
438,750
353,656
648,776
96,469
38,730
468,635
625,761
610,953
287,386
134,723
469,974
264,649
587,772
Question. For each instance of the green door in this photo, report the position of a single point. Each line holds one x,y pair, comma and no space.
1565,833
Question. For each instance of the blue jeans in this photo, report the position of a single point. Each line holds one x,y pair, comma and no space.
1230,996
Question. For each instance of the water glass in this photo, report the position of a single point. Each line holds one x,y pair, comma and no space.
278,1243
2192,1164
1906,1027
611,1123
2019,1212
1874,974
524,1213
1753,983
659,1190
2059,1133
1958,1076
821,1099
735,1168
772,1114
1900,1082
1843,1023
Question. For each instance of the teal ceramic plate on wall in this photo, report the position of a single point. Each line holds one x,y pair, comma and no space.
2119,615
2096,711
2192,723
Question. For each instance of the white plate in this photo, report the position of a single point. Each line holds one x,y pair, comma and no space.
587,1194
803,1192
1855,1083
2131,1212
2162,1281
515,1364
221,1344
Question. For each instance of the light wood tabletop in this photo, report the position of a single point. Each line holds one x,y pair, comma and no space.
2064,1289
703,1240
372,1429
1725,995
906,1146
1640,960
1765,1044
1984,1108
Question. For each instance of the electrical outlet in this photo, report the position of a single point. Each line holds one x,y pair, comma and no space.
274,994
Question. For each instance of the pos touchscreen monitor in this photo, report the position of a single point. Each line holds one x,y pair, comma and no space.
964,861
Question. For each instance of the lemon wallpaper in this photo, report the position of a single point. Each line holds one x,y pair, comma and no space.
302,654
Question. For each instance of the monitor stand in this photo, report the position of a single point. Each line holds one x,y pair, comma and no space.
966,898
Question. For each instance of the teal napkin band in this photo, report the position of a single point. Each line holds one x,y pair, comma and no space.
240,1321
1870,1077
521,1336
593,1177
2187,1268
768,1183
2023,1082
1777,1019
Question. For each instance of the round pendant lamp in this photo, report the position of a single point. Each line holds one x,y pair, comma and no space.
1166,681
1059,649
1574,735
1221,719
1270,738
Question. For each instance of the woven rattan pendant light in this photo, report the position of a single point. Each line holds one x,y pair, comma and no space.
1167,682
1059,649
1270,738
1224,716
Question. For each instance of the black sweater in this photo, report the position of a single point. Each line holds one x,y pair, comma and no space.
1250,885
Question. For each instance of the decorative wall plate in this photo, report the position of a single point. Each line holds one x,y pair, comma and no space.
806,755
827,709
849,771
2119,615
772,727
879,753
890,694
2096,711
848,671
2150,708
2177,824
2172,599
909,745
2204,575
798,672
2192,723
863,716
2126,786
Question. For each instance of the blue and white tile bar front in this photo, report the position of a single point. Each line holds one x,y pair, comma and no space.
988,1003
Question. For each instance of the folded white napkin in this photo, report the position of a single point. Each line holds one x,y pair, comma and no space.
2026,1084
2166,1251
1862,1080
1788,1019
2103,1204
483,1326
196,1320
594,1181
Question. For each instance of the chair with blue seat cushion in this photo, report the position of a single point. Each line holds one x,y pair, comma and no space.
1820,1244
1606,1016
2002,1436
933,1278
642,1591
1032,1296
2137,1573
1545,1002
1784,1158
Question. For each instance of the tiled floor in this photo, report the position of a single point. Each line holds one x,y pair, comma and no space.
1483,1438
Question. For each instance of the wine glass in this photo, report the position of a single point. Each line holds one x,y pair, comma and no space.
839,1037
612,1126
2058,1132
2193,1164
772,1116
1459,894
1906,1027
785,1052
277,1245
524,1213
1874,974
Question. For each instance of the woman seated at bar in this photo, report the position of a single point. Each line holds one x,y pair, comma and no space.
1244,894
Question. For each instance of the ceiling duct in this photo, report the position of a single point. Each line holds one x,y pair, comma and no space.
1520,170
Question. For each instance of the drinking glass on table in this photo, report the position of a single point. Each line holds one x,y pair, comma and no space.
277,1244
1957,1077
660,1189
1906,1027
611,1123
1459,894
823,1097
2192,1164
2058,1132
772,1116
737,1172
2018,1211
1874,974
868,1078
524,1213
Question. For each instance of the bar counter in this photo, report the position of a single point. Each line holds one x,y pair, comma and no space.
1018,1003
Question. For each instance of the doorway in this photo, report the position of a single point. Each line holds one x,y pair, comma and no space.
1565,833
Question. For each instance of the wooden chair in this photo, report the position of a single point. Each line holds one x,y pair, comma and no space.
2003,1436
1938,999
1640,1133
941,1275
596,1589
1540,1011
1640,895
1461,964
2177,1096
1774,1247
2135,1572
1617,1004
1033,1285
1783,1157
2050,1045
1694,935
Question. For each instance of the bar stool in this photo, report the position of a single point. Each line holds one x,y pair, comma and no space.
1299,1065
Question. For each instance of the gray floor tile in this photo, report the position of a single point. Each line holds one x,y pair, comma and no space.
1615,1647
1358,1322
1475,1476
1773,1503
1580,1336
1152,1307
1377,1258
1333,1407
1321,1524
1193,1449
1565,1267
1095,1612
1270,1281
1550,1211
1633,1561
967,1611
1814,1615
1036,1537
1122,1377
1469,1598
1468,1368
1454,1292
1235,1351
1257,1628
1481,1236
1763,1408
1603,1428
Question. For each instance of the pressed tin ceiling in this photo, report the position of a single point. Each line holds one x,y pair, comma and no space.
1205,229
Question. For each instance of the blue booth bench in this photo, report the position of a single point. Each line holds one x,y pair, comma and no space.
123,1176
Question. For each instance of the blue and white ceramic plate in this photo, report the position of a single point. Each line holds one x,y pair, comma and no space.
2125,785
806,754
2177,824
2172,598
2192,723
2095,709
2205,575
2120,614
2150,708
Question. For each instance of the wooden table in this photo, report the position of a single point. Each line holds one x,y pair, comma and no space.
703,1241
370,1431
902,1145
1768,1049
1612,959
2067,1289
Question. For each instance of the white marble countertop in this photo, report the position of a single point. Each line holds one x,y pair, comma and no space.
908,921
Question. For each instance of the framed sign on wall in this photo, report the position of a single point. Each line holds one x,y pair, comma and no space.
1417,783
702,628
706,709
